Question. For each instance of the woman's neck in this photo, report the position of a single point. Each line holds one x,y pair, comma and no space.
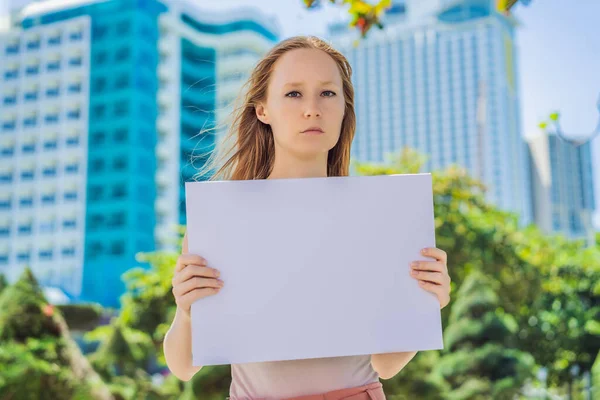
290,167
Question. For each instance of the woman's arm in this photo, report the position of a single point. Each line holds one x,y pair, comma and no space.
387,365
177,347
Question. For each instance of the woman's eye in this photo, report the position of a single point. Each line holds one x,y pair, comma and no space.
292,93
329,93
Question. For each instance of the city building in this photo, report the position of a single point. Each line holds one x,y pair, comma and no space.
562,186
442,78
103,106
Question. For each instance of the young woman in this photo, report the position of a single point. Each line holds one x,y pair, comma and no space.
297,121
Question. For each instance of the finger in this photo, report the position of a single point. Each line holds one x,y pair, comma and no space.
194,270
436,253
196,283
197,294
435,277
186,259
428,266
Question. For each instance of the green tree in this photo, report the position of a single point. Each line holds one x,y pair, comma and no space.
481,359
39,358
3,283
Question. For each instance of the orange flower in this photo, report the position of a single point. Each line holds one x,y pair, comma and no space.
48,310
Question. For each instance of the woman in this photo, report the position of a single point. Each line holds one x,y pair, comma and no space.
297,121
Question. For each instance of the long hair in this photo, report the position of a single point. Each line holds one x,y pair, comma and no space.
248,149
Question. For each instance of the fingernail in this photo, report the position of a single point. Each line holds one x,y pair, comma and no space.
424,250
217,273
414,264
220,282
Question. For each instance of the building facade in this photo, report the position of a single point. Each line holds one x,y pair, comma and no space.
103,107
441,78
562,186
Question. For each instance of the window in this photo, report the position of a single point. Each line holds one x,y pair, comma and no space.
9,125
26,201
72,168
121,135
11,74
98,138
118,248
99,84
119,191
96,193
10,100
24,228
75,36
117,220
12,48
74,114
51,118
7,151
100,58
121,108
120,164
99,111
46,254
53,91
54,40
96,249
33,44
75,61
30,121
122,54
123,27
122,81
71,195
75,87
68,251
49,171
27,175
48,198
69,223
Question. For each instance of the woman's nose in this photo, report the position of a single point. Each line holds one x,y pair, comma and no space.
312,110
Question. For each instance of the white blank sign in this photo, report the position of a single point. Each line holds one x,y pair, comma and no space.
314,267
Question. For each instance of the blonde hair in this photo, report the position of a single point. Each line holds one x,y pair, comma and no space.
248,149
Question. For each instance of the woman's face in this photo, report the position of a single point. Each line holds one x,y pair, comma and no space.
305,103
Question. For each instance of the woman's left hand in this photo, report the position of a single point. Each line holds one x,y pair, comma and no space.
433,275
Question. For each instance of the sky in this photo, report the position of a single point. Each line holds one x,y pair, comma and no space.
558,46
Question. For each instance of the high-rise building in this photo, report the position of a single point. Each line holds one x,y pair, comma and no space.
441,78
562,186
102,104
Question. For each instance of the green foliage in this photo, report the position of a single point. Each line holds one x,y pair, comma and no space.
38,357
3,283
81,316
21,315
481,360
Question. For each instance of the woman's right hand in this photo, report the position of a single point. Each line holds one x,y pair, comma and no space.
193,279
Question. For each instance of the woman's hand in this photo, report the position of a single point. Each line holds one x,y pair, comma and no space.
193,279
433,275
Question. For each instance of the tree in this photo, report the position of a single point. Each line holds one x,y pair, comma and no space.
481,359
39,358
3,283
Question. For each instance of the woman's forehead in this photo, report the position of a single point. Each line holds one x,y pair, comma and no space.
306,66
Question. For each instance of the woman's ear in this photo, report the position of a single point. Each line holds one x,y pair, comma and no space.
261,113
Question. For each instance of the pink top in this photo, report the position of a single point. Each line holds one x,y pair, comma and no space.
281,379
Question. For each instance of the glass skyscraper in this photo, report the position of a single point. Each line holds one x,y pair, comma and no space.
441,78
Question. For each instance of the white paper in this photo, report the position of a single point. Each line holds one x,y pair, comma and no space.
314,267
